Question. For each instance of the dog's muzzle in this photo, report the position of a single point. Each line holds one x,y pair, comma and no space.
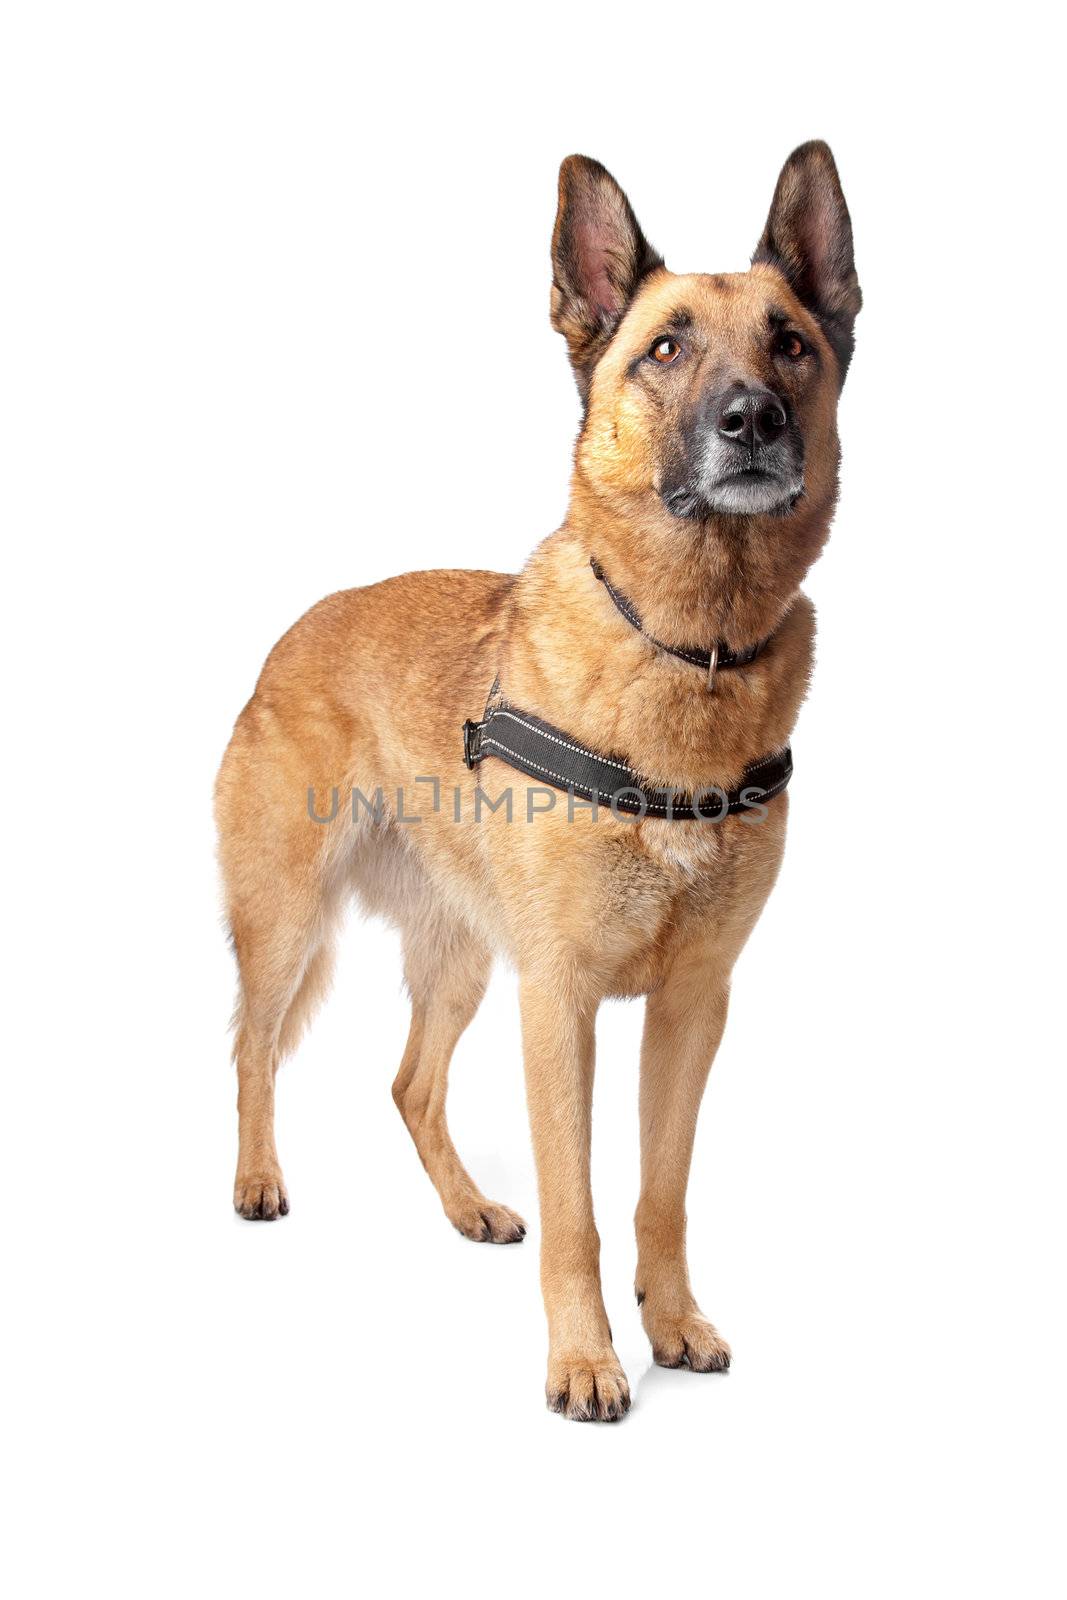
743,457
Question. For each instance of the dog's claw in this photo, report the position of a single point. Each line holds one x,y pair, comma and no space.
488,1224
592,1391
688,1342
261,1198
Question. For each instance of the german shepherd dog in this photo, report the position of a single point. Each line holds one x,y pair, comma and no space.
705,478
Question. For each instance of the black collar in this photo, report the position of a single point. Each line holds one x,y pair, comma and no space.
718,659
552,757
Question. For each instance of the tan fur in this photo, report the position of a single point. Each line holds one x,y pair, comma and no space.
370,689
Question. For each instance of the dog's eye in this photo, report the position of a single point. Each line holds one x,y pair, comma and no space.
791,345
665,351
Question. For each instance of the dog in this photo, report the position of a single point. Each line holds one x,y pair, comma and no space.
659,634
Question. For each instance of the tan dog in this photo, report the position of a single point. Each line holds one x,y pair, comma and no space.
705,478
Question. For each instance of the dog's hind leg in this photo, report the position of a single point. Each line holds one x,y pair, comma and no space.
446,968
282,899
284,948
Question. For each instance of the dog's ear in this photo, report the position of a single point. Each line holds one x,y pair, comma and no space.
808,237
599,257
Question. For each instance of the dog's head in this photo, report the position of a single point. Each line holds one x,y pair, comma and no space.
708,395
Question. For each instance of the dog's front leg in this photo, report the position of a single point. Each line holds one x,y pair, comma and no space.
585,1380
684,1022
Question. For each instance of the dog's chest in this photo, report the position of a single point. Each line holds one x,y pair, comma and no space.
686,853
680,886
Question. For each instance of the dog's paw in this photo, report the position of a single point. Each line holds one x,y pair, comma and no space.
689,1341
592,1389
487,1223
260,1196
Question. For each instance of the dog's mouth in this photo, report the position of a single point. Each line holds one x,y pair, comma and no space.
749,491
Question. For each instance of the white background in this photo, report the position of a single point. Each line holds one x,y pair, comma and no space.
274,301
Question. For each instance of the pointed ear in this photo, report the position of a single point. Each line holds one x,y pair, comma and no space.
808,237
599,257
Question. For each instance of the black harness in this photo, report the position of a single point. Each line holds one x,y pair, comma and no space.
542,751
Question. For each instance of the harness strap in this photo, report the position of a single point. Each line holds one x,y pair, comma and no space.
543,752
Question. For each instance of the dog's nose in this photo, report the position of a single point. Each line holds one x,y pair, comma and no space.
752,417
